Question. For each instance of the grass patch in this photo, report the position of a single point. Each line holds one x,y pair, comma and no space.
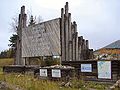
6,61
28,82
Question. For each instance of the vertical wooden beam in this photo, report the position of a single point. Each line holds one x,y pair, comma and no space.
21,24
75,26
74,30
79,47
81,55
82,49
72,27
87,49
76,45
69,27
70,37
76,41
66,30
87,44
91,54
62,36
73,42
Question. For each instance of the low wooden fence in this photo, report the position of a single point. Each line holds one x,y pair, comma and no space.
19,69
96,70
91,70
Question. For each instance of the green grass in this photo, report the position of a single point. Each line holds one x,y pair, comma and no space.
28,82
6,61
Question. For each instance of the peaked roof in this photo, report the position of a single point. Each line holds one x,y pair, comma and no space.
115,44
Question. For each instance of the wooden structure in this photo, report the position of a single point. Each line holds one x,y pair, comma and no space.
60,37
73,47
55,37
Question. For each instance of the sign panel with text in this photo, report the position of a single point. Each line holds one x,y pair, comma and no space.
43,72
86,68
56,73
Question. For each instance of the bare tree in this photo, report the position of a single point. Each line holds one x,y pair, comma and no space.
39,19
14,24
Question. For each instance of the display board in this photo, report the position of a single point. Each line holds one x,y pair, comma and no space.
43,72
41,39
56,73
104,69
86,67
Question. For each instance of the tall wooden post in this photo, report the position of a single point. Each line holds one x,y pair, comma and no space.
70,37
82,50
87,50
91,54
73,43
76,45
79,47
21,24
87,44
62,36
66,30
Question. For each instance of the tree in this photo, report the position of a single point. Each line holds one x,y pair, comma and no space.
6,54
32,21
13,40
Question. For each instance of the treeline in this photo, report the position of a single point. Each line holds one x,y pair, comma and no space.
7,53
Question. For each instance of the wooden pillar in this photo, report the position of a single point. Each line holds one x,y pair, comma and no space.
62,36
21,24
73,43
91,54
66,31
87,44
76,45
70,38
79,47
87,50
82,49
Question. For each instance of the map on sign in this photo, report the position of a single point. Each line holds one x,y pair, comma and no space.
41,39
104,69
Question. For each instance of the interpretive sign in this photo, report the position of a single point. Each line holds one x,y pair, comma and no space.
56,73
104,69
43,72
86,68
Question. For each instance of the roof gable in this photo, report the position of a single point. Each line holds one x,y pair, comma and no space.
115,44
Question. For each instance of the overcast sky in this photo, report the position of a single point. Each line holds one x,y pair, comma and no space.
97,20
